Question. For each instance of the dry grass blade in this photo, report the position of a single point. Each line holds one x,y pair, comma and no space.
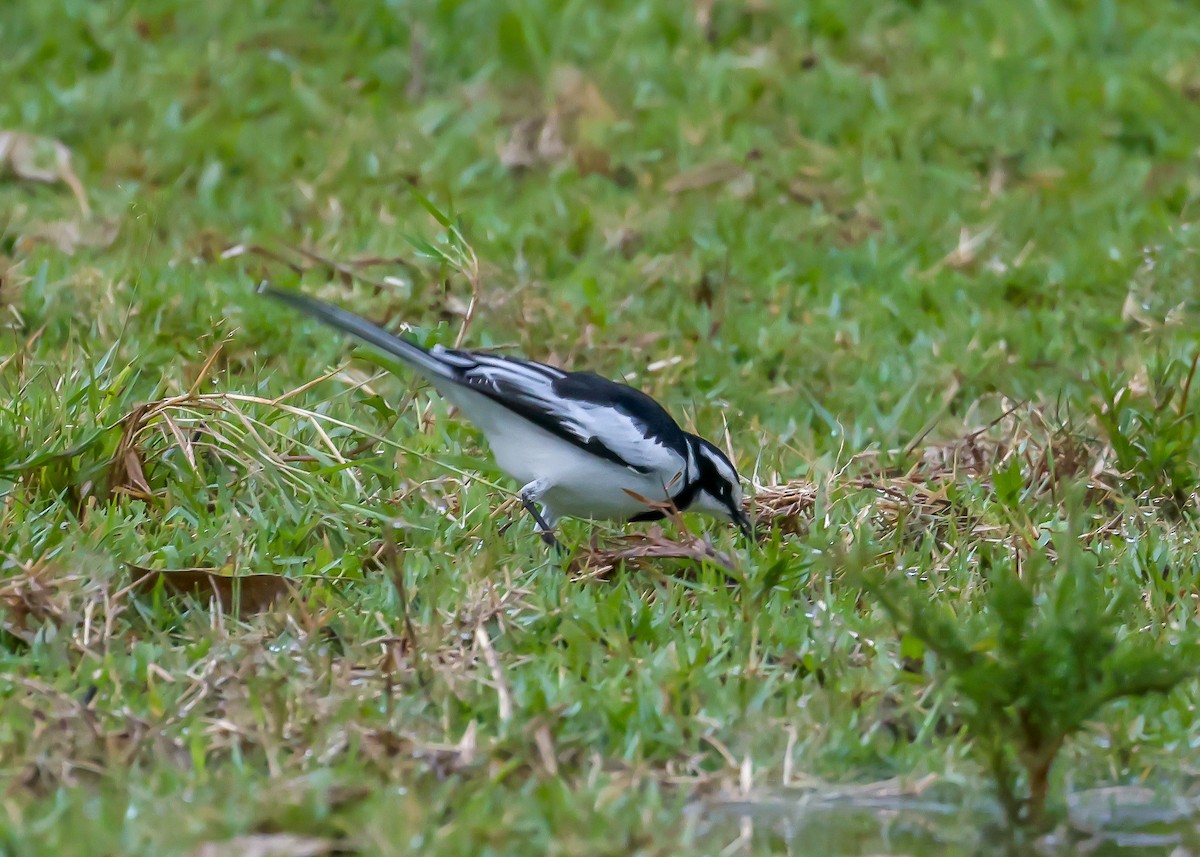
532,141
965,252
1047,452
233,251
218,425
18,356
272,845
705,175
972,455
41,159
898,503
31,599
345,272
597,561
126,475
246,435
504,700
918,501
786,506
389,556
548,137
244,594
67,236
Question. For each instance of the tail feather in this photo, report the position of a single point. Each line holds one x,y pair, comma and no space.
411,353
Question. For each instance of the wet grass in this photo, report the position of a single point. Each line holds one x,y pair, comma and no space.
927,268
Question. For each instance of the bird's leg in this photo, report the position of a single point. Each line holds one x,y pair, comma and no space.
530,495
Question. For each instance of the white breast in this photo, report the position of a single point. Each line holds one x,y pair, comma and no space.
584,485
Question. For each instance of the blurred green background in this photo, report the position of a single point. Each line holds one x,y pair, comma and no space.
824,228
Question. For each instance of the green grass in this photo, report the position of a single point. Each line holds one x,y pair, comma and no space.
848,233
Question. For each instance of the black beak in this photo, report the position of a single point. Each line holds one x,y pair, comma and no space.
744,523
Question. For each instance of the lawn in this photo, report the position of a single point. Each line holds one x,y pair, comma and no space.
926,268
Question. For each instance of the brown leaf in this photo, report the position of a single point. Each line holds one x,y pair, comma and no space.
41,159
705,175
247,593
623,240
137,477
270,845
550,137
577,96
69,235
126,474
567,129
592,160
533,141
812,191
520,149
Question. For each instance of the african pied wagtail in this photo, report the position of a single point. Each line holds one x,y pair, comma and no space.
582,446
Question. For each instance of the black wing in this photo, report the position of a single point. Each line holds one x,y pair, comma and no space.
610,420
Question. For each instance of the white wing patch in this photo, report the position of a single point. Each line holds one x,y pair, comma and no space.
452,358
528,390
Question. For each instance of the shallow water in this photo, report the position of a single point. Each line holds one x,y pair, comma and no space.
881,821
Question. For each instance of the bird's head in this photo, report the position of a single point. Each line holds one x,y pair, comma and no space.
720,491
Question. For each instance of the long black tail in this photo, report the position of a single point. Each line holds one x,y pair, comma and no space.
355,325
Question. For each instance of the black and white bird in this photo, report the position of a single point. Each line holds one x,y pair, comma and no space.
581,446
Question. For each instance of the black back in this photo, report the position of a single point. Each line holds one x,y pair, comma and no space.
587,388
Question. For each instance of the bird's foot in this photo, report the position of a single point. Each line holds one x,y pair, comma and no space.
530,495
